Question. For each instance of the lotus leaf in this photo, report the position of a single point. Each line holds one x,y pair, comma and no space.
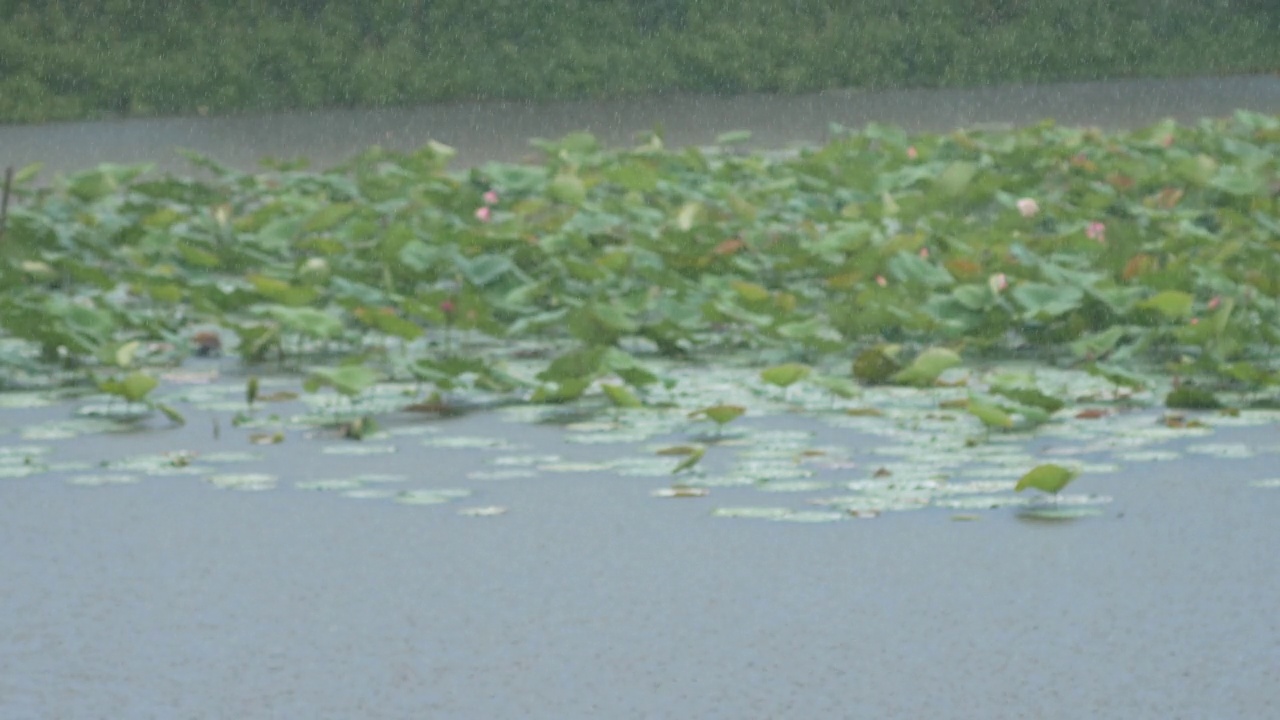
349,380
927,366
785,375
1048,478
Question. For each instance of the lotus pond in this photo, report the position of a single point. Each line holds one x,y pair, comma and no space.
991,311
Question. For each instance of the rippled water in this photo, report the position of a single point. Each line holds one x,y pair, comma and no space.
500,131
171,598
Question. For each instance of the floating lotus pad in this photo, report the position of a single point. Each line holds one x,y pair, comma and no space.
363,493
680,491
230,456
328,485
469,443
810,516
431,497
1235,451
358,449
482,511
243,481
793,486
26,400
525,460
758,513
1058,514
100,480
503,474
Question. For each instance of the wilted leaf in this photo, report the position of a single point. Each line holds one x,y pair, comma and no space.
173,415
693,459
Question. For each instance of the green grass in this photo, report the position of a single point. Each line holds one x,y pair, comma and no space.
146,57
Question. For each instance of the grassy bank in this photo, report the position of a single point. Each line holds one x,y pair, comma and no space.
143,57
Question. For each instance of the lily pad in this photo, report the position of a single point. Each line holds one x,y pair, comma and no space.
1051,513
243,481
482,511
360,449
757,513
100,480
431,497
680,491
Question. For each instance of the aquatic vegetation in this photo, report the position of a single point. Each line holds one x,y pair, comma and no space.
721,415
954,302
1047,478
1121,253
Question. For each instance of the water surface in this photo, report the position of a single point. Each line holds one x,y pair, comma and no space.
500,130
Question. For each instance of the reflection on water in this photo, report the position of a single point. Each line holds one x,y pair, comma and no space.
500,130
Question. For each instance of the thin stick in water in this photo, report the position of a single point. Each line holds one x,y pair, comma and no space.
4,200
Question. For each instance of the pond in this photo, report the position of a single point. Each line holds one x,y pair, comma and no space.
757,538
135,589
500,131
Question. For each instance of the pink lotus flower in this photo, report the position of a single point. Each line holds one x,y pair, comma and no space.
491,198
924,253
911,152
483,213
1195,321
998,282
881,281
1028,207
1096,231
447,307
1215,302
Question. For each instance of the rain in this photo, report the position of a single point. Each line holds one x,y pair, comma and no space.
617,358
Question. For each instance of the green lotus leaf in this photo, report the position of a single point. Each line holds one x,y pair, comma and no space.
719,414
621,397
1173,304
785,375
990,415
876,365
349,380
1188,397
1048,478
927,366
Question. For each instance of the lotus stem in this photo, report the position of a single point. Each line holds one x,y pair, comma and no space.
4,200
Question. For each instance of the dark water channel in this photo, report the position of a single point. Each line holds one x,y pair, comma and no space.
500,131
590,599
